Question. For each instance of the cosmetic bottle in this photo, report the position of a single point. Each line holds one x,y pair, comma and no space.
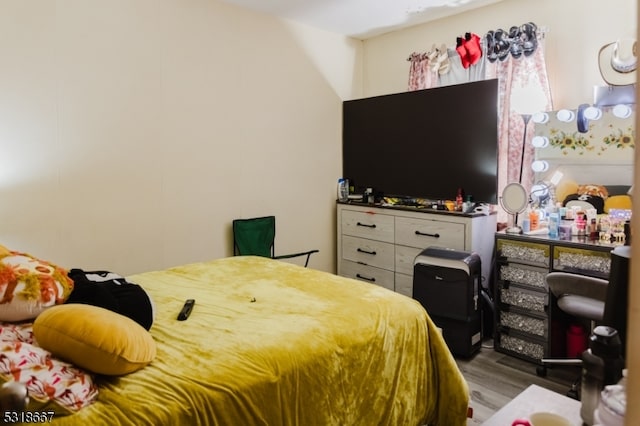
343,190
553,225
459,199
369,196
581,225
534,220
593,230
564,229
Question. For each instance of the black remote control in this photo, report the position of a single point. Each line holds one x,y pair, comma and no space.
186,309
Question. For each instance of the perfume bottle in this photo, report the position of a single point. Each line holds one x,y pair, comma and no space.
459,200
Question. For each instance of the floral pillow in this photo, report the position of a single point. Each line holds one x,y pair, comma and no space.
53,385
593,190
29,285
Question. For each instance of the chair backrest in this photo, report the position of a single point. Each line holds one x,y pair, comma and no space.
254,236
579,295
565,283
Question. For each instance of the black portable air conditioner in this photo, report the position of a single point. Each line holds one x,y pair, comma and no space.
447,283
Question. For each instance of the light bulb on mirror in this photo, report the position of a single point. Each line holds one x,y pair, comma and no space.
539,192
565,115
539,166
540,141
622,111
540,117
593,113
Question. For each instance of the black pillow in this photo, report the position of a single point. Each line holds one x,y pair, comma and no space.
113,292
593,200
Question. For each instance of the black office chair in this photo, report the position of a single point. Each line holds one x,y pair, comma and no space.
256,237
582,297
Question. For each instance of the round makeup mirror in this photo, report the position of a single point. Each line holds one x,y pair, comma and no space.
514,200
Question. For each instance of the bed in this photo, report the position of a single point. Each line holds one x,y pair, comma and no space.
271,343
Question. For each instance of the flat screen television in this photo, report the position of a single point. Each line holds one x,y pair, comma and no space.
425,143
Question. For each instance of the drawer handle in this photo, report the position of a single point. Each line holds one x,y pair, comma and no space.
367,252
365,225
427,234
362,277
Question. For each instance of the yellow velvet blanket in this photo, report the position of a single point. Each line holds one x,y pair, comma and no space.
270,343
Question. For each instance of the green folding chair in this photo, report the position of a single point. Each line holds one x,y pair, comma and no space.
256,237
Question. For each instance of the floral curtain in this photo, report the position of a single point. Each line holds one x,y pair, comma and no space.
526,75
421,73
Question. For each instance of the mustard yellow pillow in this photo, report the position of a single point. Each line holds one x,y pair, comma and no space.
94,338
617,202
564,189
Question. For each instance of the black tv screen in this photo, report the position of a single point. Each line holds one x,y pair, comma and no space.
425,143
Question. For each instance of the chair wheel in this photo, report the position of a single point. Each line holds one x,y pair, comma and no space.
541,371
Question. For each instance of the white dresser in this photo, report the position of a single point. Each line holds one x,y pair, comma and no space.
379,244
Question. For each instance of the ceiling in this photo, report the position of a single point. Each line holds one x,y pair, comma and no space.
361,18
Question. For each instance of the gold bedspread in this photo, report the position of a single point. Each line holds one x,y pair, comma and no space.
270,343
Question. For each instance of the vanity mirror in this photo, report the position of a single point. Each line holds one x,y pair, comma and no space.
514,200
589,145
585,157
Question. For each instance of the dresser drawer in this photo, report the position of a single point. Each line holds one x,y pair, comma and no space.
373,226
589,262
404,284
367,274
523,298
422,233
518,345
368,252
405,256
522,274
524,323
520,251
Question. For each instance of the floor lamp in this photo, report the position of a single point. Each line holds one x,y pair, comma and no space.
526,101
526,118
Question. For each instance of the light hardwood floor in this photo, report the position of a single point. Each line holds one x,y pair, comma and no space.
495,379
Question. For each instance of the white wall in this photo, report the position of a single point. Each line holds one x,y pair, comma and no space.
132,132
577,29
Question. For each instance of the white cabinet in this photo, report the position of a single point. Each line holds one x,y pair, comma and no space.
379,244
